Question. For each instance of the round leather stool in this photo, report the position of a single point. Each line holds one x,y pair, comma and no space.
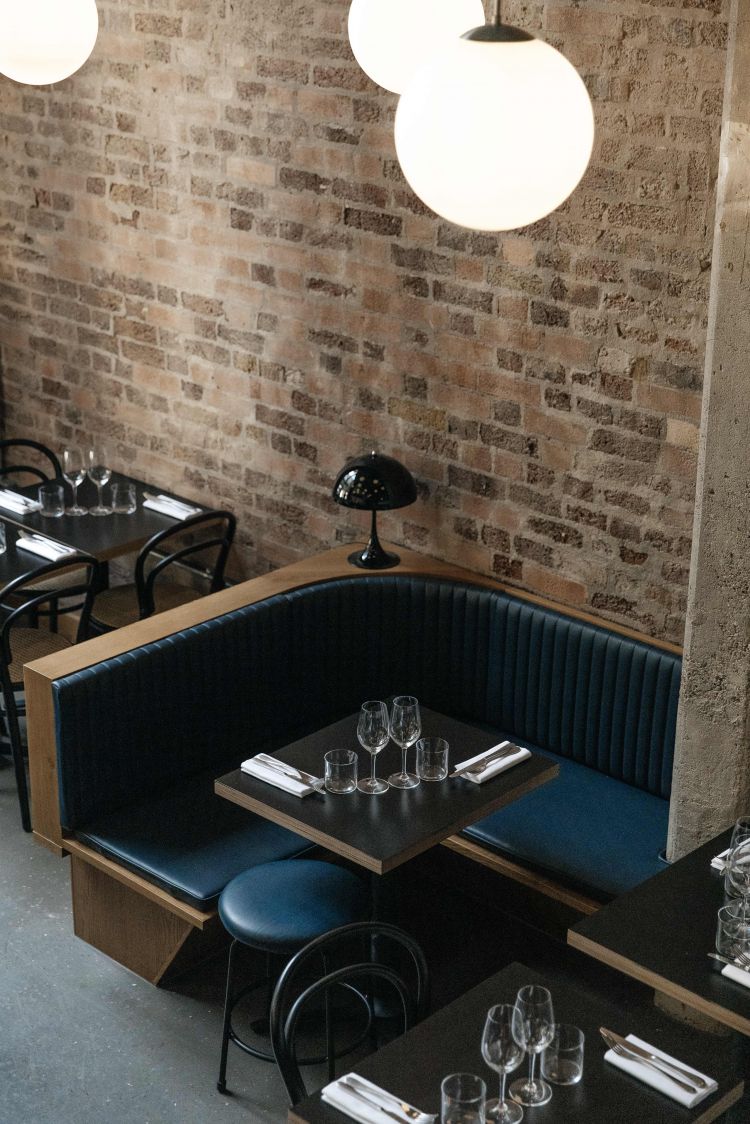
277,908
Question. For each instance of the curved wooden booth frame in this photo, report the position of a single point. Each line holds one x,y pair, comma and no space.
120,913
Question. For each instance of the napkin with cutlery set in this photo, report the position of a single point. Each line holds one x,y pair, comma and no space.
281,775
654,1067
167,505
369,1104
490,762
18,504
45,548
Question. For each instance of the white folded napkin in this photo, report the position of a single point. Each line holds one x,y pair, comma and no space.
342,1098
257,767
44,547
719,862
166,505
21,505
739,975
496,767
661,1081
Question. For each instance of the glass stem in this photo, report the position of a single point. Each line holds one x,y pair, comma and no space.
99,490
403,761
501,1102
372,769
75,494
532,1068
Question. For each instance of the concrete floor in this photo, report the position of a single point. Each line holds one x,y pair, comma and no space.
82,1041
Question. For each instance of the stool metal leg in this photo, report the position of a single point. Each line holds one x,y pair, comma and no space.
221,1084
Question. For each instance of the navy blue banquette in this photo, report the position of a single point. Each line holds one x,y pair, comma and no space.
141,735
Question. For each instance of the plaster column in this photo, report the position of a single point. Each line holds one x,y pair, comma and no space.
711,784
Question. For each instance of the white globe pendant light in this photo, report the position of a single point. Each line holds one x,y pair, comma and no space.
496,130
392,38
43,41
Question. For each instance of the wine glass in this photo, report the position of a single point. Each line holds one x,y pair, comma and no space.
372,735
99,473
503,1054
74,471
740,834
533,1028
738,872
406,729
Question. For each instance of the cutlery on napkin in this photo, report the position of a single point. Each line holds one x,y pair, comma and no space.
369,1104
46,548
732,970
269,769
668,1075
13,501
166,505
719,862
490,762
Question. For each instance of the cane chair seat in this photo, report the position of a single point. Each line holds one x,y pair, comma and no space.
116,607
29,644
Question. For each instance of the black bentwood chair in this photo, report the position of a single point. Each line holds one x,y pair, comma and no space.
14,455
364,955
23,602
204,538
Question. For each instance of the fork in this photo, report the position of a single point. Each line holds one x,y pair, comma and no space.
616,1048
480,766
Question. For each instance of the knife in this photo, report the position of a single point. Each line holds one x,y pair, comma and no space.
646,1055
287,770
369,1099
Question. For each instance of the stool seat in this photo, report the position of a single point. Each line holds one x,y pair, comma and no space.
278,907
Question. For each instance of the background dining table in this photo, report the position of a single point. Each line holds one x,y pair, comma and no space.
413,1065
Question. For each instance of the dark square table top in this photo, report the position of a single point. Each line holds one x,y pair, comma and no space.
381,832
661,931
14,562
413,1065
103,536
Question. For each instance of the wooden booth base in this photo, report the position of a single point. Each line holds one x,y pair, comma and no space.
139,933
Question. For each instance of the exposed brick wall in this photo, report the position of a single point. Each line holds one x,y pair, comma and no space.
209,256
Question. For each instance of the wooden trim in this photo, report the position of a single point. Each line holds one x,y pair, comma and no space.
197,918
551,889
658,983
42,742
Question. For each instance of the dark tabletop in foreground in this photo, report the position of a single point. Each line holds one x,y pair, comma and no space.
413,1066
381,832
661,932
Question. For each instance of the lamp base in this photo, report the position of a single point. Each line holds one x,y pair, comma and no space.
373,559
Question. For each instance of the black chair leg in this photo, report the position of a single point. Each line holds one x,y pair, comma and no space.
19,764
221,1084
330,1045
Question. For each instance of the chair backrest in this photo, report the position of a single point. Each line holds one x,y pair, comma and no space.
27,597
201,534
364,951
14,455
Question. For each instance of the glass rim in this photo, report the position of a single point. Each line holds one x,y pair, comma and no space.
405,700
340,756
433,745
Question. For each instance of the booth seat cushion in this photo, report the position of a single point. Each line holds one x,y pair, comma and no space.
597,833
189,842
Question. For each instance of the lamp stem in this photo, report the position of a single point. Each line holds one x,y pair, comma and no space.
498,17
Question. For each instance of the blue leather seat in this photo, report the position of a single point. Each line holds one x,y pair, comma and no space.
600,835
278,907
189,842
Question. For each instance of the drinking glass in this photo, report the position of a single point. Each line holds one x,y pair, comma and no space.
51,500
123,499
462,1097
406,728
562,1061
733,930
340,770
533,1028
372,735
99,473
503,1054
432,759
74,471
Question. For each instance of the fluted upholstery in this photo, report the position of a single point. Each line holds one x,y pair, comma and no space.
196,703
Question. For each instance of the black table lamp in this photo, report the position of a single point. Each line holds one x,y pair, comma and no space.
374,483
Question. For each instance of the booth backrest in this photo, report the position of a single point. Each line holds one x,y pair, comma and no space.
210,695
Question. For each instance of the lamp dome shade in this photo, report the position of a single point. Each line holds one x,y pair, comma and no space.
495,133
391,39
44,41
374,482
